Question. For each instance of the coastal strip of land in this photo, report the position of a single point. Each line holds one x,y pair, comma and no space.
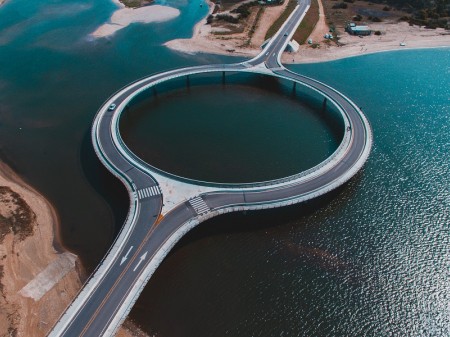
391,34
37,281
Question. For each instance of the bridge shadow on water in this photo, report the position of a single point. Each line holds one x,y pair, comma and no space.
112,191
230,266
269,219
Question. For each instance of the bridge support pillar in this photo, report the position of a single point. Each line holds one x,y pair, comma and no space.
188,83
324,105
223,77
154,91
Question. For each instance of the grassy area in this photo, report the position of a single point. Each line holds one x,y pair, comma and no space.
308,23
227,4
279,22
136,3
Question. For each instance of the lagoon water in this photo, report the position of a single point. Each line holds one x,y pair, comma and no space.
370,259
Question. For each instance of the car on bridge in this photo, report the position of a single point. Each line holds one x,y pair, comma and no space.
112,107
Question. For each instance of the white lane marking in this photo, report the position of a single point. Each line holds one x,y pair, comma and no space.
126,256
142,258
148,192
199,205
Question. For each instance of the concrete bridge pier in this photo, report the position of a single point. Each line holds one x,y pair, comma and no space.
188,82
223,77
324,105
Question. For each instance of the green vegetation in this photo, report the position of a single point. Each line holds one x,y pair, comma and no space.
241,12
244,9
19,218
432,14
282,18
341,5
136,3
308,23
306,26
255,24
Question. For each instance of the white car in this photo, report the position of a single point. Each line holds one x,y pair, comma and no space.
112,107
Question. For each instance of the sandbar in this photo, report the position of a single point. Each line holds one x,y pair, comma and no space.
123,17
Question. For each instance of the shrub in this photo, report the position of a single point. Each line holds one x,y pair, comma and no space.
227,18
341,5
377,32
357,18
376,19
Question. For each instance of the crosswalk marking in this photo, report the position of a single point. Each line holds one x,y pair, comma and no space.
148,192
199,205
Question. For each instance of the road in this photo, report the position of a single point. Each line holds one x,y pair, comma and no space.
147,236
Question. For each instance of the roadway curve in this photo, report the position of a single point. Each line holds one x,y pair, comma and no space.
147,236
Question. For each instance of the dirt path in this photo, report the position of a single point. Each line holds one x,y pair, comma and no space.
321,27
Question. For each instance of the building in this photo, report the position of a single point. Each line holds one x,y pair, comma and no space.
353,29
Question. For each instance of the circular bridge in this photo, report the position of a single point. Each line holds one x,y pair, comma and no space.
142,179
163,207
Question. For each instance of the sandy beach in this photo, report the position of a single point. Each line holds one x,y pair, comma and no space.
392,34
204,39
414,37
123,17
37,282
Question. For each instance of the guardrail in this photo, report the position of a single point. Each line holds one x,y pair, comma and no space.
132,158
92,283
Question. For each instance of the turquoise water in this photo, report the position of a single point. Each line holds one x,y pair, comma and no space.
369,259
53,78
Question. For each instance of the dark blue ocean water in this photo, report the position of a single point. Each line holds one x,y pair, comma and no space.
371,258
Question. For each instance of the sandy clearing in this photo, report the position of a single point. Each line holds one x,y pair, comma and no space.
51,275
123,17
321,27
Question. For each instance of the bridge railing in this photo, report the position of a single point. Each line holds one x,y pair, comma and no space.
152,169
95,277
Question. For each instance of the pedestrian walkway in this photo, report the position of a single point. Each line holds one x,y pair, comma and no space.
199,205
148,192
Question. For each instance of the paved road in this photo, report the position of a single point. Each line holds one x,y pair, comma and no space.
146,237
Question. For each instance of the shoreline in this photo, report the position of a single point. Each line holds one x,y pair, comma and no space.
392,34
39,277
32,252
367,53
